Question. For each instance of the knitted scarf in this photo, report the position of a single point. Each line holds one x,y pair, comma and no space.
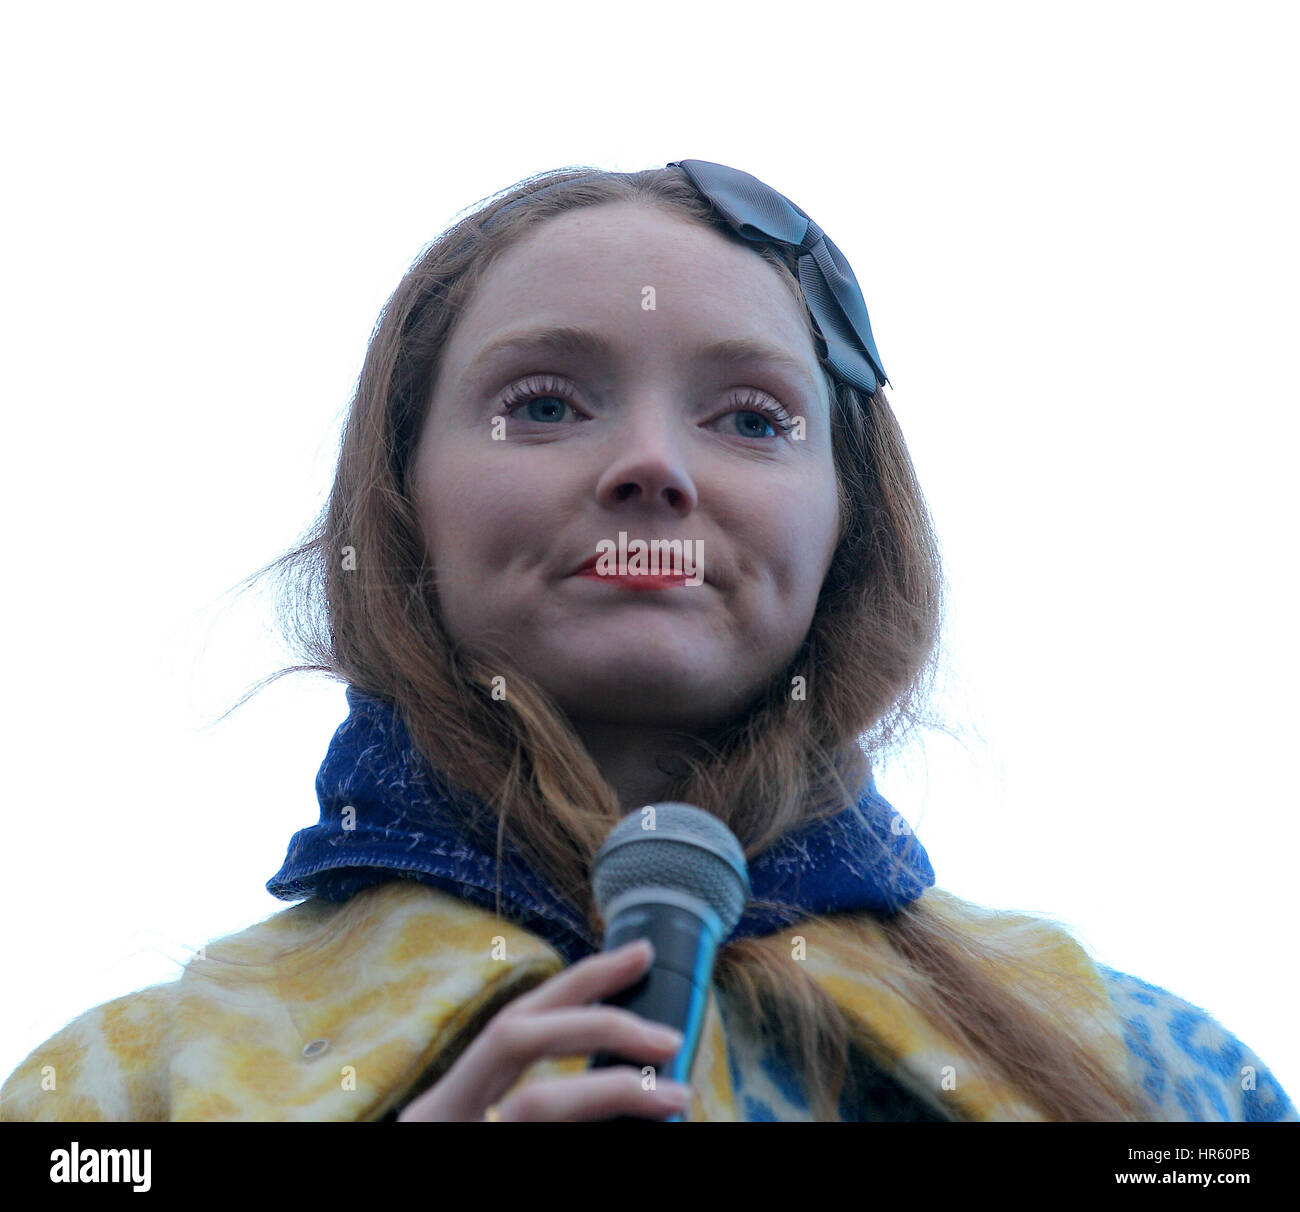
407,821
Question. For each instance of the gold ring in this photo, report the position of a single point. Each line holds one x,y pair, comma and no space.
493,1113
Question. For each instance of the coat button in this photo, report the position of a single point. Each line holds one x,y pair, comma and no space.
315,1048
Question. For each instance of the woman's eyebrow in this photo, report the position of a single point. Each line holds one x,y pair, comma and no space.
564,339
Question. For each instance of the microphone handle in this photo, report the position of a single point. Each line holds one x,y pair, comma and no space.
673,991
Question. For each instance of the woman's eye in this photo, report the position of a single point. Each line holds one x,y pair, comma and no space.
546,399
751,423
758,411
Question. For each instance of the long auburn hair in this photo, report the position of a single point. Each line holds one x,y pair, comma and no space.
868,663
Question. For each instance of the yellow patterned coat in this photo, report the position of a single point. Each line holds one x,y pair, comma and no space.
356,1032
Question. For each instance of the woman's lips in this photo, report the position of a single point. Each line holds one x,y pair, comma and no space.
635,582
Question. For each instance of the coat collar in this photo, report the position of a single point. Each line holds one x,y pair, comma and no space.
386,814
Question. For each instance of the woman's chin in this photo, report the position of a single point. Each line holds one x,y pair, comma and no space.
638,693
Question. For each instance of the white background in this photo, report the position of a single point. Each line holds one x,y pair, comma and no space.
1074,225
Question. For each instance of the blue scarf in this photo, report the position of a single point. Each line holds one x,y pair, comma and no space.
408,822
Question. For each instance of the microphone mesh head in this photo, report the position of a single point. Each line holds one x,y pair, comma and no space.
687,849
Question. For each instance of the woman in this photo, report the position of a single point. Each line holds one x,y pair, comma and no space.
590,364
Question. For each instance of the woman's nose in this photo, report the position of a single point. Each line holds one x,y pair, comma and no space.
648,462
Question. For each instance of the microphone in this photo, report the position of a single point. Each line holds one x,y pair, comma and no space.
676,875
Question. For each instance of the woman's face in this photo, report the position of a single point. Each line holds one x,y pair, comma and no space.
645,433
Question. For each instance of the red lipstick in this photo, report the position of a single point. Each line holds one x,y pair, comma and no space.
643,581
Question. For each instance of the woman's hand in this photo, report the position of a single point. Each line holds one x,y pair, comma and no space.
555,1019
